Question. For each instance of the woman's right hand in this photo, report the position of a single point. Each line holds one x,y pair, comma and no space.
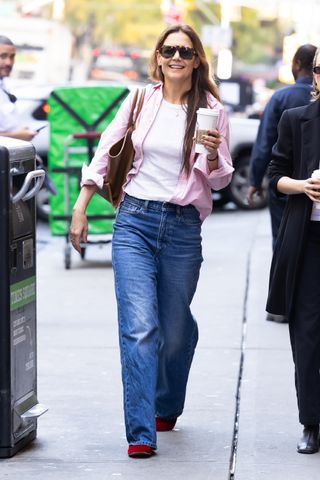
78,229
79,223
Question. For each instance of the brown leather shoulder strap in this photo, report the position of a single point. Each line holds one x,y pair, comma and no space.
134,103
140,104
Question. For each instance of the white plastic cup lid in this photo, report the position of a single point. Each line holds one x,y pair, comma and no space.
208,111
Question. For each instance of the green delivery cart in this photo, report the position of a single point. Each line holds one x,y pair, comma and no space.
77,117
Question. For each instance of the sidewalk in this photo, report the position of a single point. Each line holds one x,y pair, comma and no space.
269,428
82,434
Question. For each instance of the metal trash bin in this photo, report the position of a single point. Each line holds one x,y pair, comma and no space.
19,407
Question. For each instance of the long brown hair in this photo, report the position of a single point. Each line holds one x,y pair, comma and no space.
315,91
202,83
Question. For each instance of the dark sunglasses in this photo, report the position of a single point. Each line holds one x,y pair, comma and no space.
316,69
168,51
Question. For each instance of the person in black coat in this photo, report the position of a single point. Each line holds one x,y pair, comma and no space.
291,96
294,287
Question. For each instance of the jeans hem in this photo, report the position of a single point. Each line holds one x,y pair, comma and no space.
312,422
152,445
169,417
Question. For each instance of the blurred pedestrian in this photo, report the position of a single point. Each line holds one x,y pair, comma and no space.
9,120
157,233
294,277
291,96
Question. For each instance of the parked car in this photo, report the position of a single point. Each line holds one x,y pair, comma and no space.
119,64
33,108
243,133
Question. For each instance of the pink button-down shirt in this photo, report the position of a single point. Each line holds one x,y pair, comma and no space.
194,189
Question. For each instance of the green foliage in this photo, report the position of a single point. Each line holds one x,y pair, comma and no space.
121,22
254,41
138,24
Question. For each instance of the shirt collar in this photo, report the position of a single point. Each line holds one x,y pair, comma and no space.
306,80
11,97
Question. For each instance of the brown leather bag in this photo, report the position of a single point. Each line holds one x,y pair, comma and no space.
121,156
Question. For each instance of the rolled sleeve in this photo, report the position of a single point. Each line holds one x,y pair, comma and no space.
90,177
218,178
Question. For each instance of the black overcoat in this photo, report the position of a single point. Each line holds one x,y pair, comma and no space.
296,154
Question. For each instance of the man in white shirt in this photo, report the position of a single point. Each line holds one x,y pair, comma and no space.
9,122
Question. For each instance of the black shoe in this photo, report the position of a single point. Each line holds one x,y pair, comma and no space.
272,317
309,442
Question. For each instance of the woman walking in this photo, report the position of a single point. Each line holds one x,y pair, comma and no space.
156,246
295,271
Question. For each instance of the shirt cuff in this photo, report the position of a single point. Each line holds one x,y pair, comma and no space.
89,177
223,167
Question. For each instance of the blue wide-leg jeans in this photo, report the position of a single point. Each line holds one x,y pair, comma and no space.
156,252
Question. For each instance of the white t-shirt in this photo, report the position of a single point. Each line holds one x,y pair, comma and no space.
315,213
8,117
162,156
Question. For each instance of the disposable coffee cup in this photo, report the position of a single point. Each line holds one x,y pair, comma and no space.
207,118
316,174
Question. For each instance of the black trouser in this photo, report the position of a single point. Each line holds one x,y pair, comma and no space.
277,203
304,326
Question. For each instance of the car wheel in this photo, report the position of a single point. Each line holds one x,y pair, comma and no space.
219,198
42,203
240,183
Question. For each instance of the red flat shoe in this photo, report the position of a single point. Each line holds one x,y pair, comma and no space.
165,424
140,451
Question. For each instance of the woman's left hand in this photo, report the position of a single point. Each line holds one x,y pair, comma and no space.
311,187
212,141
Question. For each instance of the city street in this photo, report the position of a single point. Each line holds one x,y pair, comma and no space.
232,79
240,420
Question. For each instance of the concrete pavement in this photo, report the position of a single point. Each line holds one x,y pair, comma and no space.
82,434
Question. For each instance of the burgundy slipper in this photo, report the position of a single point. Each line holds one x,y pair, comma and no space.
140,451
165,424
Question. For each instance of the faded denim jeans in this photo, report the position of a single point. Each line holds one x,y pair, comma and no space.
156,258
